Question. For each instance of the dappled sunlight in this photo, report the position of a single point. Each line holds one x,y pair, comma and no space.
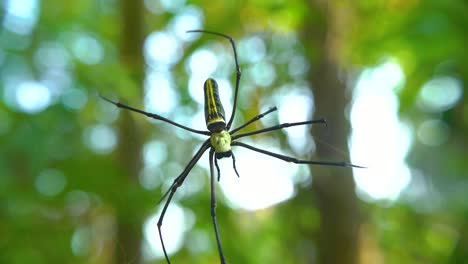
440,94
263,74
21,16
86,48
202,62
177,221
74,99
100,138
251,49
162,6
379,140
154,153
52,55
188,18
160,95
78,202
298,66
81,241
32,97
433,132
50,182
296,106
162,49
264,181
436,96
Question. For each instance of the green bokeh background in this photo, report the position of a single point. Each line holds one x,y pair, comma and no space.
99,209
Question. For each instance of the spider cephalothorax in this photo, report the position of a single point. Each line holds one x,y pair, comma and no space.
221,142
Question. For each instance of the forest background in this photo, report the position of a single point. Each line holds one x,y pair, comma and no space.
80,180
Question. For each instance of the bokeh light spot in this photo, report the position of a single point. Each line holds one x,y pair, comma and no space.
160,97
264,180
433,132
87,49
440,94
175,225
298,66
202,62
172,5
188,18
50,182
162,49
32,97
81,241
100,138
263,74
154,153
74,99
295,107
78,202
383,146
251,49
51,55
21,16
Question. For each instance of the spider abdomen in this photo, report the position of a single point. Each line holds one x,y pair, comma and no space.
214,111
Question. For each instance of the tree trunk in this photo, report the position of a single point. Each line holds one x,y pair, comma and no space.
334,187
129,223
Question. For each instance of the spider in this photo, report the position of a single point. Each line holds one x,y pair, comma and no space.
221,140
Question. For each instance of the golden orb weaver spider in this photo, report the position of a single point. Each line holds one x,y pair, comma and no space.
221,139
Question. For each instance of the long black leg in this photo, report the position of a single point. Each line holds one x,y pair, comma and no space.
191,163
253,120
177,183
154,116
217,168
280,126
238,74
294,160
213,207
234,164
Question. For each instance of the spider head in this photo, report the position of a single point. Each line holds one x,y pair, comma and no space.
221,142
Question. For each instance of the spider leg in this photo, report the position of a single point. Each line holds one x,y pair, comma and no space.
213,207
294,160
177,183
238,73
280,126
217,168
154,116
254,119
234,164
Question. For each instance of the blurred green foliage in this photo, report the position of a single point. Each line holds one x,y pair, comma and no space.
71,164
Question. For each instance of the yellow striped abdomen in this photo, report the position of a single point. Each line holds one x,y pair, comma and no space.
214,111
